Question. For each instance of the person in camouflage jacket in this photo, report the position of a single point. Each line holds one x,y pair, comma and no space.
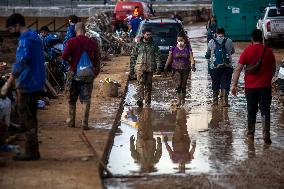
145,59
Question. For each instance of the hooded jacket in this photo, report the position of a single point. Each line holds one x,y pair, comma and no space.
145,57
29,69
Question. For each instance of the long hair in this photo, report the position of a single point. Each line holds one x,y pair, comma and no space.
184,36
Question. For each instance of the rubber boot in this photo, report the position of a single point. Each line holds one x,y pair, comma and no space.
86,112
215,97
72,116
31,148
140,103
183,95
250,133
266,130
225,95
179,99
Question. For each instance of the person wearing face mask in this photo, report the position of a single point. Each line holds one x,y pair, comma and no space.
219,52
29,74
144,61
182,62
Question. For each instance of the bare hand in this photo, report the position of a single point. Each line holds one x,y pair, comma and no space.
234,90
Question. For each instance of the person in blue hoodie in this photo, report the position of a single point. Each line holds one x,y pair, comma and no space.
29,74
73,19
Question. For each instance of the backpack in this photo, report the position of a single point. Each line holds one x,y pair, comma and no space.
220,54
85,69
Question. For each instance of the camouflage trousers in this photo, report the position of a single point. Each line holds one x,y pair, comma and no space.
180,79
144,88
27,108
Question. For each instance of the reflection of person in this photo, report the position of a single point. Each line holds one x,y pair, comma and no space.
147,151
220,135
257,85
181,152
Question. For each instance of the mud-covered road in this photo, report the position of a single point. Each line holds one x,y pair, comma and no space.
205,146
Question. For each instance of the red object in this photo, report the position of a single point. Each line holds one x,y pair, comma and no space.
268,26
76,46
124,7
264,76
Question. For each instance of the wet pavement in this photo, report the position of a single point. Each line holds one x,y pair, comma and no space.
193,140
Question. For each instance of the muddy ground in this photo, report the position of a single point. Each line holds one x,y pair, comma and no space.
63,163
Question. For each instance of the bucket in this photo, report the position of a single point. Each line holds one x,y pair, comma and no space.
109,89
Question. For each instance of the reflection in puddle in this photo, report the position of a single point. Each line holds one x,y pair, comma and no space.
193,140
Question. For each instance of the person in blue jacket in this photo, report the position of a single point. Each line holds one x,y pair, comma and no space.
73,19
29,73
48,40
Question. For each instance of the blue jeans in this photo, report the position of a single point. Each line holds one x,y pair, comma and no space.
221,78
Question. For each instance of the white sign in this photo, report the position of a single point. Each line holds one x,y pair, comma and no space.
235,10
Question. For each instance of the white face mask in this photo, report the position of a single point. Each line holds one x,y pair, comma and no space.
180,43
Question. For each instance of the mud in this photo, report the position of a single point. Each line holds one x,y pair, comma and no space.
221,158
66,162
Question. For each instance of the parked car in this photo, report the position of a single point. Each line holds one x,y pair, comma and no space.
272,24
122,8
164,33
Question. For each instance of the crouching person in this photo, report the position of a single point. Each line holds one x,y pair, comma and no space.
83,55
29,74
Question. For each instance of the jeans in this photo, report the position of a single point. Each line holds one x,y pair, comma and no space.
221,78
258,98
180,78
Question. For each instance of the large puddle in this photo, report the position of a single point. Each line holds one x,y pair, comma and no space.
192,140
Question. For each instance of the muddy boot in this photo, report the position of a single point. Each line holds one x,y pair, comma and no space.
215,97
86,112
183,95
179,99
72,116
225,98
266,130
250,133
139,103
31,148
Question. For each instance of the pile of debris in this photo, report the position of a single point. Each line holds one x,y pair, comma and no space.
99,27
278,85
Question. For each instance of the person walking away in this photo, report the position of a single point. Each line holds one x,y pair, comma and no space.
219,52
257,83
29,74
182,62
134,25
82,52
211,28
145,60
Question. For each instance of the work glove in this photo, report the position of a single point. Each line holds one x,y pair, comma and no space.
193,68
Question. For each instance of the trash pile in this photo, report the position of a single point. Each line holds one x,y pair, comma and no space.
279,83
99,27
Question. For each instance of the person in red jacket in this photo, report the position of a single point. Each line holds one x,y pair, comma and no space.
73,51
257,84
